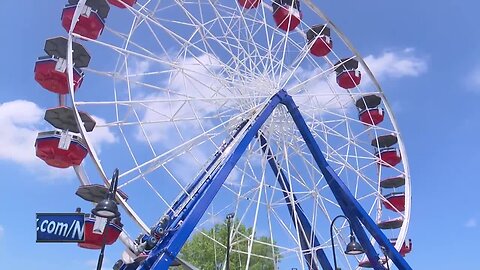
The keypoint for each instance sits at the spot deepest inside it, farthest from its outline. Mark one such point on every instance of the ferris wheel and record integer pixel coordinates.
(261, 111)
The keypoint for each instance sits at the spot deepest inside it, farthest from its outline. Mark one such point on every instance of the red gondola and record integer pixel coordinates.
(287, 14)
(248, 4)
(93, 240)
(406, 247)
(349, 79)
(47, 149)
(51, 70)
(367, 264)
(322, 42)
(395, 201)
(370, 113)
(348, 75)
(122, 5)
(51, 74)
(388, 156)
(372, 116)
(92, 18)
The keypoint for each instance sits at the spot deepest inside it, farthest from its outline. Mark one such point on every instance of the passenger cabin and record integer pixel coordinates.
(287, 14)
(372, 117)
(51, 74)
(404, 250)
(92, 18)
(348, 75)
(395, 201)
(406, 246)
(51, 70)
(366, 263)
(387, 154)
(369, 112)
(318, 37)
(248, 4)
(60, 149)
(95, 239)
(125, 3)
(388, 157)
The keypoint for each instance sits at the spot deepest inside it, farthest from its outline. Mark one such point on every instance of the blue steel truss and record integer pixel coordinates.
(308, 239)
(179, 222)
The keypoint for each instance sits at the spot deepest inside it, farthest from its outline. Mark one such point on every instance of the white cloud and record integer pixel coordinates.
(204, 77)
(396, 64)
(471, 223)
(385, 66)
(137, 71)
(197, 76)
(141, 67)
(194, 77)
(2, 231)
(473, 80)
(101, 136)
(21, 121)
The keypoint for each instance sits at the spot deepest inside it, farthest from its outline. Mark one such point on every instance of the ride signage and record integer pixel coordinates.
(60, 227)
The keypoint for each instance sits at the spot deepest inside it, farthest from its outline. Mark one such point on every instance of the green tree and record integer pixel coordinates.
(207, 249)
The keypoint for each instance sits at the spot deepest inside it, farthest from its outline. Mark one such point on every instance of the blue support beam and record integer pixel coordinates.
(165, 251)
(367, 246)
(300, 220)
(191, 187)
(342, 193)
(180, 229)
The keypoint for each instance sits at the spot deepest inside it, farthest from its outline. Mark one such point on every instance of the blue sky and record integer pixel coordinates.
(435, 102)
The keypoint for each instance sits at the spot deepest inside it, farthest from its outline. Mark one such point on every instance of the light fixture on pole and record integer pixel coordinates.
(353, 247)
(229, 218)
(107, 208)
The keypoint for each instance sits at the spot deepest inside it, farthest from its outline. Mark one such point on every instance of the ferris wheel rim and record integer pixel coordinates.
(408, 197)
(401, 145)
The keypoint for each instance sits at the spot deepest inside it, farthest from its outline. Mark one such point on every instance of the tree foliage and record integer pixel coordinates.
(207, 249)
